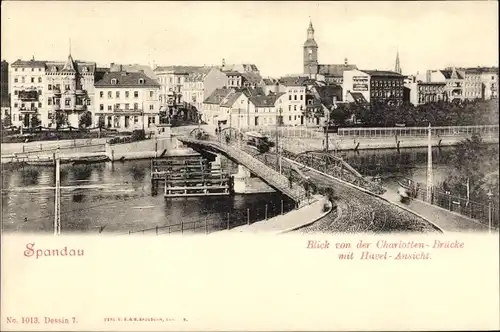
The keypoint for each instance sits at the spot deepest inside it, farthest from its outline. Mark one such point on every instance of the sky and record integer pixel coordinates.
(428, 35)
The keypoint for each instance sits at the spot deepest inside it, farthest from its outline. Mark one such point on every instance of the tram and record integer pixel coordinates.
(258, 141)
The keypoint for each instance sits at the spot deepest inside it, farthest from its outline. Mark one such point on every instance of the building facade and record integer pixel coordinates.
(426, 92)
(27, 93)
(5, 93)
(127, 101)
(373, 86)
(453, 79)
(69, 91)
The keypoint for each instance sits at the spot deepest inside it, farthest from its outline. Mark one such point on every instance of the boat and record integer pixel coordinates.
(90, 160)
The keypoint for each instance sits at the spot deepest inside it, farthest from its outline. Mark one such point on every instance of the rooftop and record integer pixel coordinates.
(382, 73)
(126, 79)
(335, 70)
(217, 96)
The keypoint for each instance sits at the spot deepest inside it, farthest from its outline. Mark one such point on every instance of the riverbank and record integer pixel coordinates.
(346, 143)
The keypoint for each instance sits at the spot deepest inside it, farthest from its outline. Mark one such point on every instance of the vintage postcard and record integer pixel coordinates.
(249, 166)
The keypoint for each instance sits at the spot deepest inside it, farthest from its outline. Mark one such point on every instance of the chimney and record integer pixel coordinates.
(345, 61)
(223, 62)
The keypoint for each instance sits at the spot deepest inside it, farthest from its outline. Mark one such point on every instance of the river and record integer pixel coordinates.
(116, 197)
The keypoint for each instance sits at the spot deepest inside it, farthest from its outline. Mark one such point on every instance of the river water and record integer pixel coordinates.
(117, 197)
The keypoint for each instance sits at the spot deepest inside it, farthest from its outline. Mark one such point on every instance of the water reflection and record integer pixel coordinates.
(117, 197)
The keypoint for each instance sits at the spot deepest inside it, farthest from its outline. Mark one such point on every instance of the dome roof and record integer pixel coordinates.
(310, 43)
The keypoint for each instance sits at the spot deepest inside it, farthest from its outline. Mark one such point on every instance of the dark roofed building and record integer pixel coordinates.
(217, 96)
(29, 63)
(126, 79)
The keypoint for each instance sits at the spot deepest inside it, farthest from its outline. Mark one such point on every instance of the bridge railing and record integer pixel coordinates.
(209, 223)
(474, 210)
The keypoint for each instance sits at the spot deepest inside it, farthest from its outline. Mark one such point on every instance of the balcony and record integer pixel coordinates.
(28, 109)
(80, 107)
(135, 111)
(56, 91)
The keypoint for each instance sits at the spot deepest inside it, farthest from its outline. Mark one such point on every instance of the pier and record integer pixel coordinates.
(188, 176)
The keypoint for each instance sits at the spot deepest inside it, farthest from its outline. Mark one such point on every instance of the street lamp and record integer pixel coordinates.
(489, 210)
(278, 157)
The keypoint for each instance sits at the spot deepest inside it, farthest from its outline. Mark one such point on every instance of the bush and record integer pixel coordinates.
(138, 135)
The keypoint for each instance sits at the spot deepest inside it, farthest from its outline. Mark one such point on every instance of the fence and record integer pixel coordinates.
(209, 223)
(420, 131)
(478, 211)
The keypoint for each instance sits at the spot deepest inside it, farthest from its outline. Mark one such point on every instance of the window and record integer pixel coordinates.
(141, 81)
(151, 94)
(114, 81)
(294, 97)
(290, 118)
(127, 94)
(15, 104)
(40, 105)
(289, 107)
(127, 106)
(39, 92)
(67, 101)
(32, 69)
(109, 108)
(101, 107)
(66, 87)
(101, 94)
(151, 107)
(15, 92)
(294, 107)
(136, 94)
(15, 80)
(117, 94)
(136, 119)
(136, 106)
(301, 97)
(110, 95)
(49, 86)
(117, 106)
(23, 80)
(15, 69)
(88, 102)
(289, 97)
(39, 80)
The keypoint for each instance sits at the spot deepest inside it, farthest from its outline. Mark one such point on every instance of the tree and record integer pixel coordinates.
(35, 121)
(85, 120)
(473, 171)
(61, 119)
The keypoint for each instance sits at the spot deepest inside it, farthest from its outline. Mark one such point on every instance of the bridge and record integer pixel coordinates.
(358, 210)
(360, 206)
(273, 178)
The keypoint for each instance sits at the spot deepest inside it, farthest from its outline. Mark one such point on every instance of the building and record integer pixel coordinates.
(127, 101)
(454, 80)
(44, 91)
(27, 96)
(332, 73)
(241, 68)
(211, 113)
(199, 84)
(425, 92)
(5, 95)
(479, 82)
(129, 68)
(69, 91)
(373, 86)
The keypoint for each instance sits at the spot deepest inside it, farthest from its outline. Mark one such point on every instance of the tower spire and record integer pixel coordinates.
(70, 46)
(397, 67)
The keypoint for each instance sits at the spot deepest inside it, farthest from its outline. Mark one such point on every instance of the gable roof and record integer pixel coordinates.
(335, 70)
(382, 73)
(448, 74)
(125, 79)
(327, 92)
(252, 77)
(217, 96)
(265, 101)
(229, 100)
(29, 63)
(293, 80)
(131, 68)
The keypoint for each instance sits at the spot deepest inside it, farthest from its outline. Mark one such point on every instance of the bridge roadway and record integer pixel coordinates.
(267, 174)
(357, 211)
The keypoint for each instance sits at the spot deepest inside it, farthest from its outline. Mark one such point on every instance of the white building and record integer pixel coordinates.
(127, 101)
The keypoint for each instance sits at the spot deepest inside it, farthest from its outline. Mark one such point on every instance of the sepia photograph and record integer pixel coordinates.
(135, 119)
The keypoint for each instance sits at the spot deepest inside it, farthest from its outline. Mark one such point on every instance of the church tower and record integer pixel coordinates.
(397, 67)
(310, 53)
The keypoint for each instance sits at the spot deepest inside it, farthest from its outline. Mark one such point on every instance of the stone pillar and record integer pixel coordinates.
(217, 163)
(240, 180)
